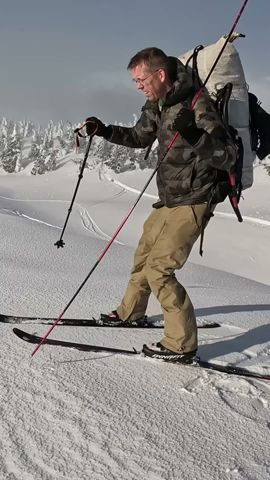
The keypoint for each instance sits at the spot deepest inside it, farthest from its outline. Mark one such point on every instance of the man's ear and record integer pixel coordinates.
(162, 75)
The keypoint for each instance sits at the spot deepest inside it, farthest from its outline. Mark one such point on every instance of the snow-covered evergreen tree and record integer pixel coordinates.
(35, 145)
(39, 166)
(70, 138)
(11, 155)
(51, 160)
(4, 127)
(11, 147)
(28, 129)
(35, 154)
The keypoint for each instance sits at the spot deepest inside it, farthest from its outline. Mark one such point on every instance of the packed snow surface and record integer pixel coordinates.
(72, 415)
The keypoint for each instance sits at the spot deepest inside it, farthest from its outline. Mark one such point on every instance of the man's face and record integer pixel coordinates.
(151, 82)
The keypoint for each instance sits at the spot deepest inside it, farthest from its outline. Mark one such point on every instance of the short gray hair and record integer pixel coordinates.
(153, 57)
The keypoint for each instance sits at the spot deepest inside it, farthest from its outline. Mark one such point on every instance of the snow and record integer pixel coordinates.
(78, 416)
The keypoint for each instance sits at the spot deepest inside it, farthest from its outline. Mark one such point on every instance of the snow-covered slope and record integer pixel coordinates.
(75, 416)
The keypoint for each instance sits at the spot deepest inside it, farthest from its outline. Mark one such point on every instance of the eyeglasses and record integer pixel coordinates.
(141, 81)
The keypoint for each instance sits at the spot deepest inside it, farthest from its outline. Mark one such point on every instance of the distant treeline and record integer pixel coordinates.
(22, 144)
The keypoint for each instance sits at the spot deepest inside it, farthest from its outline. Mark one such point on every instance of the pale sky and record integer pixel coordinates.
(66, 59)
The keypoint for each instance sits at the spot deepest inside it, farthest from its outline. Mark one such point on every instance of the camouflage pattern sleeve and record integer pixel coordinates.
(142, 134)
(214, 146)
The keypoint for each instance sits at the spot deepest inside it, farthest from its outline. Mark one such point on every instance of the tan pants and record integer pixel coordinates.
(167, 239)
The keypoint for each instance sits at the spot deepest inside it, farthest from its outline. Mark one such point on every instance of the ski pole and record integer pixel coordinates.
(170, 145)
(60, 242)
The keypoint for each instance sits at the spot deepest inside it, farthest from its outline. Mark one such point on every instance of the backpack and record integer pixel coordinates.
(246, 122)
(232, 101)
(232, 104)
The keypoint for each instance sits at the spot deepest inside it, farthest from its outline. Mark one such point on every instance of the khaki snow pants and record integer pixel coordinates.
(166, 242)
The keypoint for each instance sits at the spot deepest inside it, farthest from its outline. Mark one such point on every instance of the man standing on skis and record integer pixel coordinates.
(186, 180)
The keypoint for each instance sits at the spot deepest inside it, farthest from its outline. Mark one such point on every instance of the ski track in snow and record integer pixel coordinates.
(90, 225)
(20, 214)
(87, 221)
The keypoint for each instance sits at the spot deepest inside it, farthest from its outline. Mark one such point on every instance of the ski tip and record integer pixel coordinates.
(23, 335)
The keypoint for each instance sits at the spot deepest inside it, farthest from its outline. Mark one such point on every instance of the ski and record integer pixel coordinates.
(92, 322)
(228, 369)
(84, 347)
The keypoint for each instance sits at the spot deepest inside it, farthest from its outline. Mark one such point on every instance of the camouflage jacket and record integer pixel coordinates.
(187, 173)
